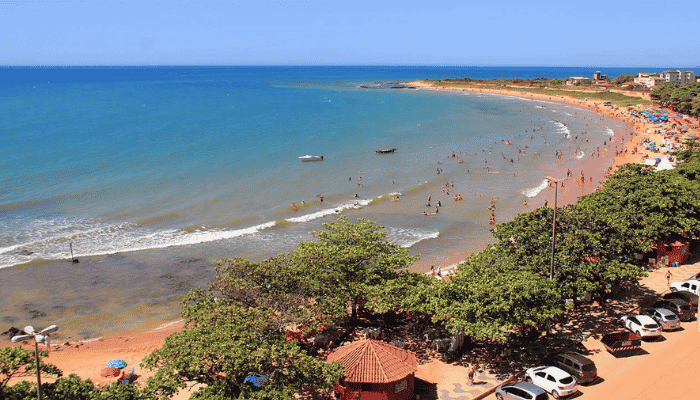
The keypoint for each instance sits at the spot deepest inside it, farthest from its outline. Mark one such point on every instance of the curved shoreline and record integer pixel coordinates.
(642, 129)
(86, 359)
(564, 196)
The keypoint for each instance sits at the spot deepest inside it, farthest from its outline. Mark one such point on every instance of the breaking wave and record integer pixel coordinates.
(532, 192)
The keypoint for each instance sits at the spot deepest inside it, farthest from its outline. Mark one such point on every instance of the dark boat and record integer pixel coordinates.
(387, 151)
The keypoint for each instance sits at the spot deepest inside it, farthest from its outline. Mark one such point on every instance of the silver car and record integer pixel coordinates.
(665, 318)
(521, 391)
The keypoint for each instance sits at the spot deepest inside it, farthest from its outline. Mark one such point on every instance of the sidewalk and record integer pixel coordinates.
(451, 381)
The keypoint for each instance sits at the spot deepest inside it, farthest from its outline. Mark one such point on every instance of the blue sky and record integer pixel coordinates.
(218, 32)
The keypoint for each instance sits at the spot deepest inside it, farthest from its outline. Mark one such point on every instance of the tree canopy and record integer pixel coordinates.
(353, 259)
(490, 294)
(591, 255)
(648, 205)
(683, 98)
(222, 344)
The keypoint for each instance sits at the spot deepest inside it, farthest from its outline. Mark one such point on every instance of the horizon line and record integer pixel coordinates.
(28, 66)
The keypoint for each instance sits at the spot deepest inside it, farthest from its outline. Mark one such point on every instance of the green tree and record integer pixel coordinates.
(619, 80)
(683, 98)
(647, 205)
(353, 259)
(292, 290)
(407, 292)
(222, 344)
(16, 362)
(491, 294)
(591, 256)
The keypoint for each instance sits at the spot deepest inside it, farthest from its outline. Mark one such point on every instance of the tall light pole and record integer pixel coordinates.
(554, 224)
(38, 337)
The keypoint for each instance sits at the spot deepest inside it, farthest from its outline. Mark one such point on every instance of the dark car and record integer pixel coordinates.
(676, 306)
(579, 366)
(691, 298)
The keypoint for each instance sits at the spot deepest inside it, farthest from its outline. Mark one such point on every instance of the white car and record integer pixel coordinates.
(642, 325)
(553, 380)
(688, 285)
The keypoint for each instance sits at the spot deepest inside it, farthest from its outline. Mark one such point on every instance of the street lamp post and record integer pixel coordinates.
(38, 337)
(554, 224)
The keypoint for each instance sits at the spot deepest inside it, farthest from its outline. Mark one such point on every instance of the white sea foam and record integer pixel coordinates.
(409, 237)
(609, 132)
(580, 154)
(532, 192)
(118, 238)
(561, 128)
(330, 211)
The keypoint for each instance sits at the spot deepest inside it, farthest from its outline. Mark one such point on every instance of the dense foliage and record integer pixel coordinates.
(353, 260)
(222, 344)
(490, 294)
(16, 362)
(591, 256)
(236, 326)
(649, 205)
(682, 98)
(619, 80)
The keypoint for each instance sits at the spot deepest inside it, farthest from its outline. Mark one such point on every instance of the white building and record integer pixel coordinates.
(649, 80)
(578, 80)
(679, 76)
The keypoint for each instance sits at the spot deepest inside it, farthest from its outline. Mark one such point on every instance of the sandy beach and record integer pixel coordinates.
(88, 358)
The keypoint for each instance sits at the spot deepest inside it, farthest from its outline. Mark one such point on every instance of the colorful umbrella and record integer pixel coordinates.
(117, 364)
(256, 379)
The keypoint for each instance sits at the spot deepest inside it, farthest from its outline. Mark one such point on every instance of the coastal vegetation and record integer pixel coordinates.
(277, 317)
(682, 98)
(546, 86)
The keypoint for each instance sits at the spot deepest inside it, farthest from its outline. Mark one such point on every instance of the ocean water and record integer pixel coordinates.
(150, 174)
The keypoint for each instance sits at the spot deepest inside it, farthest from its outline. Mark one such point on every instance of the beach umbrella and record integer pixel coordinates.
(117, 363)
(256, 379)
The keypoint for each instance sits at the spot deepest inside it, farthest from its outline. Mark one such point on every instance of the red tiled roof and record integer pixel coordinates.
(373, 361)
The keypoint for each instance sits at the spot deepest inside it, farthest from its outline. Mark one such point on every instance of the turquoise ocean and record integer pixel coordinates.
(153, 173)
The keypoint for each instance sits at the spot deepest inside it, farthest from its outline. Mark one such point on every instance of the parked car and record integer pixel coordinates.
(579, 366)
(691, 298)
(642, 325)
(665, 318)
(553, 380)
(521, 391)
(680, 307)
(688, 285)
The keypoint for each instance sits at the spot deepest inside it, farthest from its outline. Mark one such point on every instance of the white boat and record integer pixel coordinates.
(308, 158)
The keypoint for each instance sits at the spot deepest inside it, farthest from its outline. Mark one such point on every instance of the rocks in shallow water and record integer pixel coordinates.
(20, 252)
(36, 314)
(13, 332)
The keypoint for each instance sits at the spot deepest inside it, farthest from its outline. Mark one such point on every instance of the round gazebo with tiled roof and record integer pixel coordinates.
(374, 370)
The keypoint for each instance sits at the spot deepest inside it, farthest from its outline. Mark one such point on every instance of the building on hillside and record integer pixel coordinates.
(374, 370)
(598, 77)
(679, 76)
(649, 80)
(578, 80)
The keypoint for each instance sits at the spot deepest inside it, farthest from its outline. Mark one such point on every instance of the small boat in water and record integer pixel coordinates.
(386, 151)
(308, 158)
